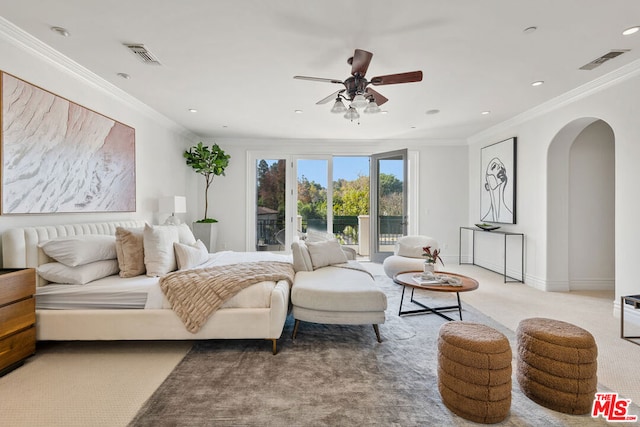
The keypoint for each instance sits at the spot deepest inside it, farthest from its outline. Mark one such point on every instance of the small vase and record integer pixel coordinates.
(429, 267)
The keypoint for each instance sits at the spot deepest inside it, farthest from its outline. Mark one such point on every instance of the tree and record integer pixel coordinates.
(208, 162)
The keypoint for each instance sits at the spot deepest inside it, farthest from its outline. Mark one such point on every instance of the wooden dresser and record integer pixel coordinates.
(17, 317)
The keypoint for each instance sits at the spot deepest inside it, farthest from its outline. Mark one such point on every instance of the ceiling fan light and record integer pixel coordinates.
(372, 108)
(352, 114)
(338, 107)
(359, 101)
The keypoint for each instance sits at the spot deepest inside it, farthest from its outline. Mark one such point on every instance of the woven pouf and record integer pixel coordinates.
(474, 371)
(557, 364)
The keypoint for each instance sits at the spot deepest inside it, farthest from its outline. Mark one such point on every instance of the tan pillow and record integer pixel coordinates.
(325, 253)
(188, 256)
(130, 251)
(159, 256)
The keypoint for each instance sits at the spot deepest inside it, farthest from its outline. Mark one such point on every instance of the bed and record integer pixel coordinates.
(137, 310)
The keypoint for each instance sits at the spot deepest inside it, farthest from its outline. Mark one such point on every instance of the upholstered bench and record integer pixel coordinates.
(557, 364)
(329, 289)
(474, 371)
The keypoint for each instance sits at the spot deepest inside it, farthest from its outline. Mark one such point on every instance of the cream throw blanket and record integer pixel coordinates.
(196, 294)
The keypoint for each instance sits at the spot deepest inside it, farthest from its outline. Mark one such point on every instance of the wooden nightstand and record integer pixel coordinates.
(17, 317)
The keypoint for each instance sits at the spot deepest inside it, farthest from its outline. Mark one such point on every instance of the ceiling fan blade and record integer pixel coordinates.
(331, 97)
(380, 99)
(318, 79)
(390, 79)
(360, 62)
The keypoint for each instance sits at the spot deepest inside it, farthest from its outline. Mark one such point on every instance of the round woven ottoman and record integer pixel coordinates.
(557, 364)
(474, 371)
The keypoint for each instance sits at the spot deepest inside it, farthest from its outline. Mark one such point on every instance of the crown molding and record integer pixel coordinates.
(613, 78)
(28, 43)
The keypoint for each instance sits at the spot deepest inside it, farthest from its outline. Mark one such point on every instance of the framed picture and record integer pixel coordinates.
(498, 182)
(60, 157)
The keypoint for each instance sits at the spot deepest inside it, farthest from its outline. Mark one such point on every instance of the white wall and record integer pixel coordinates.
(160, 168)
(591, 209)
(614, 102)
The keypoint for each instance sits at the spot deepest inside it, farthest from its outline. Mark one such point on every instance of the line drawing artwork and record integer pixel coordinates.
(498, 194)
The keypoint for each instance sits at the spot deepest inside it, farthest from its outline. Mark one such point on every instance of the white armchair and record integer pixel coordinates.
(407, 254)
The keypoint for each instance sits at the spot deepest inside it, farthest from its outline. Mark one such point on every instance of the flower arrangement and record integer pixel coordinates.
(432, 256)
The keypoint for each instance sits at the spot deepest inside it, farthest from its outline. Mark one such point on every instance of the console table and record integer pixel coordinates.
(505, 234)
(634, 301)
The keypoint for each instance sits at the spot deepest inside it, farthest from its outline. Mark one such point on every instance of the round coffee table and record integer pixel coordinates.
(406, 279)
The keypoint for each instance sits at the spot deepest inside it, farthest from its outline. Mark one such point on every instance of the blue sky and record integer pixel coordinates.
(348, 168)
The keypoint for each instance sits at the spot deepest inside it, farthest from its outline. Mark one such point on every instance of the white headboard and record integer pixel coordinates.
(20, 245)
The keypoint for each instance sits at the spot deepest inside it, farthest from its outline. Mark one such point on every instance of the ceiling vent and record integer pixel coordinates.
(143, 54)
(604, 58)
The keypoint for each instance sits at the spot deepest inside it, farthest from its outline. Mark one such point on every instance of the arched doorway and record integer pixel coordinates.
(581, 207)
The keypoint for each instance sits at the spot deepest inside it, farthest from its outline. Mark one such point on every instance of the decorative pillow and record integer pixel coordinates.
(130, 251)
(319, 236)
(411, 246)
(188, 256)
(56, 272)
(325, 253)
(159, 256)
(80, 250)
(301, 257)
(185, 235)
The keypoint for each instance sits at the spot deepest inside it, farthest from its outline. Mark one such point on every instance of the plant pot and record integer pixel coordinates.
(429, 267)
(207, 232)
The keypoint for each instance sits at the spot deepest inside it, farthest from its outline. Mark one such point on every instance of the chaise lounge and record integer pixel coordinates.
(330, 289)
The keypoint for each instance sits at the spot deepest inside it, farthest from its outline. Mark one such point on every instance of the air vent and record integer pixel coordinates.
(143, 54)
(604, 58)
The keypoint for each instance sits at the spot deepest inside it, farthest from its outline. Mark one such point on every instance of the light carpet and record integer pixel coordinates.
(331, 375)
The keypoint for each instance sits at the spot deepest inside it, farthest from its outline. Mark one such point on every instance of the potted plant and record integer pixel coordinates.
(208, 162)
(430, 258)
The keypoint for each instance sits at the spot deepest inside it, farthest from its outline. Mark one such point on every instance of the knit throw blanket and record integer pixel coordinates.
(196, 294)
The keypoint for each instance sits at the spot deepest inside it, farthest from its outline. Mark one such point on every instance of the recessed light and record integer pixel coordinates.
(630, 31)
(529, 30)
(193, 110)
(434, 111)
(538, 83)
(484, 113)
(124, 76)
(61, 31)
(383, 112)
(413, 127)
(298, 111)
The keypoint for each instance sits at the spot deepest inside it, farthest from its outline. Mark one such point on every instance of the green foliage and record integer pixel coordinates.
(207, 221)
(208, 162)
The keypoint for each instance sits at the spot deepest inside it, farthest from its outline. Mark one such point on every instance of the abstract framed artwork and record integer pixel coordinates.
(60, 157)
(498, 182)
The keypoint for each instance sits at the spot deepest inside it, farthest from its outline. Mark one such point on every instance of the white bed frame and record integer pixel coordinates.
(20, 250)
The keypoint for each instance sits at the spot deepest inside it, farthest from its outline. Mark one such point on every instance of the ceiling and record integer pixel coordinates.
(234, 61)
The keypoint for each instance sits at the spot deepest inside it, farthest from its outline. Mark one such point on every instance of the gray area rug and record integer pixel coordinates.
(331, 375)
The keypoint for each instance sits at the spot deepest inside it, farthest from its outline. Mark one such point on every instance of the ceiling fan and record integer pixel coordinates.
(356, 88)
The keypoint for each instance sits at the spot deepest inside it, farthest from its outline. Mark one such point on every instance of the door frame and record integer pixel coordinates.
(410, 179)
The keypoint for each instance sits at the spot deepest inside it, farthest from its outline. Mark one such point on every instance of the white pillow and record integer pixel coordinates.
(325, 253)
(56, 272)
(185, 234)
(319, 236)
(159, 256)
(188, 256)
(79, 250)
(301, 258)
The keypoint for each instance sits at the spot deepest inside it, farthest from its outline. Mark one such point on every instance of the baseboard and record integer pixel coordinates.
(592, 284)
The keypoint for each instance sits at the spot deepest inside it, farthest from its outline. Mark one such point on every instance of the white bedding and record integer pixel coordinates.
(139, 292)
